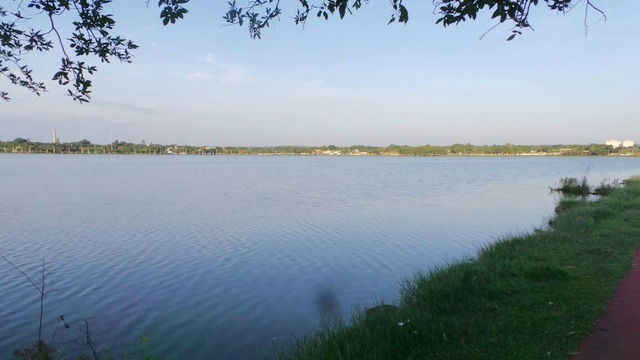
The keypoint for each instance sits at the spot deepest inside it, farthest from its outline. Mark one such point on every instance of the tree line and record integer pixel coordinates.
(84, 146)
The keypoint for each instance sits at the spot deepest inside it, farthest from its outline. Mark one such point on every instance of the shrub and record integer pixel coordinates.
(571, 186)
(606, 187)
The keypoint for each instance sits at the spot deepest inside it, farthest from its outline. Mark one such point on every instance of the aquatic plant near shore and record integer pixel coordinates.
(571, 186)
(40, 350)
(606, 187)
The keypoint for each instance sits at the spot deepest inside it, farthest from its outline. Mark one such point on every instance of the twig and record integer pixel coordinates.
(21, 272)
(88, 340)
(60, 319)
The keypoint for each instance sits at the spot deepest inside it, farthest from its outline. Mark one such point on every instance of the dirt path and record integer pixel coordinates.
(617, 332)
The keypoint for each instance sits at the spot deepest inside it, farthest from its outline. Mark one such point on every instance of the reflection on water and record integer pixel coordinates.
(328, 304)
(230, 253)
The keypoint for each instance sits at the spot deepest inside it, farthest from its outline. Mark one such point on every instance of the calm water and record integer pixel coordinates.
(226, 257)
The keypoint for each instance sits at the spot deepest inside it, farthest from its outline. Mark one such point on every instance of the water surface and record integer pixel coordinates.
(226, 257)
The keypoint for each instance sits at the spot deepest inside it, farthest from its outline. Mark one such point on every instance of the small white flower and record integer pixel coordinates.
(401, 323)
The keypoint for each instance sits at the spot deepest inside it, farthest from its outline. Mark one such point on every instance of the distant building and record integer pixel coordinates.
(627, 143)
(614, 143)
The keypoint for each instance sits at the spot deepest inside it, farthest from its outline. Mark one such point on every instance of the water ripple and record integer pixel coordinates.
(234, 254)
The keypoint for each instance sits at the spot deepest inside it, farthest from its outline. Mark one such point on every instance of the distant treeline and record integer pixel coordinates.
(25, 146)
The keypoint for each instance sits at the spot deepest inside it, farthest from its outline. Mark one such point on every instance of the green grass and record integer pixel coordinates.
(534, 296)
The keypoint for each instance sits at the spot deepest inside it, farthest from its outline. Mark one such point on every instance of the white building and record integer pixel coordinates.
(614, 143)
(627, 143)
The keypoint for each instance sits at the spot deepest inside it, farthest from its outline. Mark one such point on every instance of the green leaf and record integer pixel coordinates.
(404, 14)
(342, 9)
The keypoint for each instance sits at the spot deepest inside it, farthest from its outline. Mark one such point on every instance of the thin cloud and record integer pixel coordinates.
(116, 105)
(235, 75)
(212, 59)
(199, 76)
(221, 71)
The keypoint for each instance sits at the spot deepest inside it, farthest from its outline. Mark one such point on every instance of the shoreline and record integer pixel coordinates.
(534, 296)
(324, 155)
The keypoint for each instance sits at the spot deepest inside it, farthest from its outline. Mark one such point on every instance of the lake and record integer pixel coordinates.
(225, 257)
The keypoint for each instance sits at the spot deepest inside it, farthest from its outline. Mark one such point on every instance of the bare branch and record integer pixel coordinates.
(586, 15)
(40, 288)
(22, 272)
(87, 337)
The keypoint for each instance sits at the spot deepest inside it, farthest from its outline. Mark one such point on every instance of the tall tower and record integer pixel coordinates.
(55, 137)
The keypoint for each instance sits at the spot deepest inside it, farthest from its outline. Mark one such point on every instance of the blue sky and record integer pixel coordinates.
(355, 81)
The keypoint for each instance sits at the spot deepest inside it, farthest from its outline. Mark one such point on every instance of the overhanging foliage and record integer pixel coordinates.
(92, 37)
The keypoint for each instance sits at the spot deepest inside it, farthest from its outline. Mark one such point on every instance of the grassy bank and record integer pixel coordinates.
(530, 297)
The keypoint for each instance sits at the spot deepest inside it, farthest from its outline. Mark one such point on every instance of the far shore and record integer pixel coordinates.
(25, 146)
